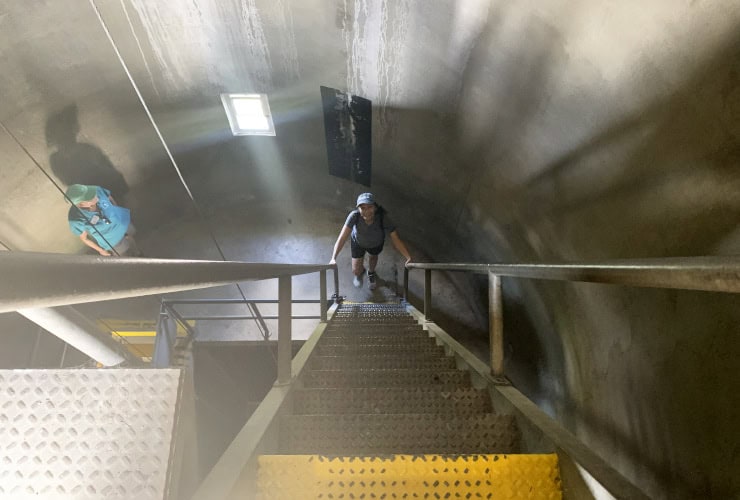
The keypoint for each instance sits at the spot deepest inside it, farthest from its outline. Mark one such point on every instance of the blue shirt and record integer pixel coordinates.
(106, 224)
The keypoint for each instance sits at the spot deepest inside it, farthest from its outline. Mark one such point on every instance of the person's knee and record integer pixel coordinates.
(357, 266)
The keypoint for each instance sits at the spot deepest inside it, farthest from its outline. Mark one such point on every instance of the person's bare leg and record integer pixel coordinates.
(372, 261)
(358, 269)
(358, 266)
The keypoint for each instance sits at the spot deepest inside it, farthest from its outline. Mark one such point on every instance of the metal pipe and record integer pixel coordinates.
(76, 330)
(322, 295)
(285, 349)
(237, 317)
(235, 301)
(179, 319)
(428, 295)
(713, 274)
(34, 350)
(64, 355)
(33, 280)
(495, 325)
(258, 319)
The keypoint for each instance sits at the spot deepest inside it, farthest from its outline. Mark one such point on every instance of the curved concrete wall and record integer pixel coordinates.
(526, 131)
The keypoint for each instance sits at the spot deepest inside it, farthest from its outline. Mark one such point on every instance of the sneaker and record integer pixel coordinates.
(357, 280)
(371, 281)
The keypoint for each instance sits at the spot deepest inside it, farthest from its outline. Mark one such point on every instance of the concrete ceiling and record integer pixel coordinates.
(515, 131)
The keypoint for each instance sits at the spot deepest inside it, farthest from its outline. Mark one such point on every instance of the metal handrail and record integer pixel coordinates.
(32, 280)
(713, 274)
(216, 317)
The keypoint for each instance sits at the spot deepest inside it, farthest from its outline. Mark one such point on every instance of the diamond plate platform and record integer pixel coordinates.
(87, 434)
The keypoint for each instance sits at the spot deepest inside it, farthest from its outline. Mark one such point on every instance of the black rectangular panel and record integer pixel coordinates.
(348, 129)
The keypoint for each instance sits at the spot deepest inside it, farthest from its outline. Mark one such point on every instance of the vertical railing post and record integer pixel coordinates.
(495, 324)
(285, 314)
(336, 284)
(322, 294)
(406, 283)
(428, 294)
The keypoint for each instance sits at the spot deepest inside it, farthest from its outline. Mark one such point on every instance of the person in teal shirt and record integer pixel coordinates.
(99, 221)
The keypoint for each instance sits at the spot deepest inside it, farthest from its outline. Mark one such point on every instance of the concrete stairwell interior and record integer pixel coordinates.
(381, 411)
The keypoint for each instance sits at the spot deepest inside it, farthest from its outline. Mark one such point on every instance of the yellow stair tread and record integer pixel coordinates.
(500, 477)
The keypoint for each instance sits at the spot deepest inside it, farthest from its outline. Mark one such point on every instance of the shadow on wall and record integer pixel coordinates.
(693, 451)
(79, 162)
(676, 193)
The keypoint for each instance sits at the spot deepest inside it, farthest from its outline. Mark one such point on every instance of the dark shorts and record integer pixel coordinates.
(358, 252)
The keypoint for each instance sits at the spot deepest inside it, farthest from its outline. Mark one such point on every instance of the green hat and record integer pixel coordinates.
(78, 193)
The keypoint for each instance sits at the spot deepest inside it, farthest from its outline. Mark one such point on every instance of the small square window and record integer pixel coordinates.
(248, 114)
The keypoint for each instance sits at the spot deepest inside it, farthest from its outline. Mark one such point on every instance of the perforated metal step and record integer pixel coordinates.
(448, 379)
(375, 349)
(367, 324)
(459, 401)
(499, 477)
(378, 386)
(398, 433)
(387, 333)
(381, 362)
(398, 340)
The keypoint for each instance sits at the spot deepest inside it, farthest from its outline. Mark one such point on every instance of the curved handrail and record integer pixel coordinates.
(713, 274)
(32, 279)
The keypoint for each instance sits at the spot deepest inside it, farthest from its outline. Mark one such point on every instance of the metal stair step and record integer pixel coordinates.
(372, 349)
(391, 400)
(400, 341)
(359, 434)
(381, 362)
(390, 306)
(388, 334)
(444, 379)
(372, 318)
(509, 476)
(378, 312)
(365, 326)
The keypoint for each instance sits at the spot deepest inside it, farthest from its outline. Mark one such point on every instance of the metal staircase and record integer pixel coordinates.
(384, 413)
(369, 398)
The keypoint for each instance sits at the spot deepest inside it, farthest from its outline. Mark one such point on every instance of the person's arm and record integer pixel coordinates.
(400, 246)
(341, 240)
(94, 245)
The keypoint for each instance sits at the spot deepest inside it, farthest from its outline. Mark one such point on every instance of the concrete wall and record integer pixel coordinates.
(513, 131)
